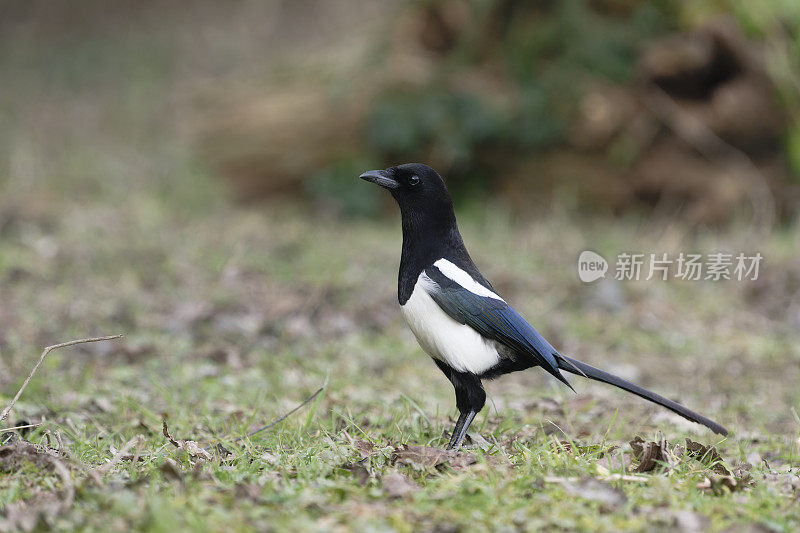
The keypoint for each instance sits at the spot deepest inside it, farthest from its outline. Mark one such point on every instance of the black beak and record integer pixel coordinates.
(380, 177)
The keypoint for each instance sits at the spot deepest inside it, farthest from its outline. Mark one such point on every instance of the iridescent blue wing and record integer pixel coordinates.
(493, 318)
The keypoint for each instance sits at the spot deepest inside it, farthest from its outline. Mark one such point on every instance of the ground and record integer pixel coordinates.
(233, 316)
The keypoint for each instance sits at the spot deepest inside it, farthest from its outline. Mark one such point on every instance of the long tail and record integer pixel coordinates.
(576, 367)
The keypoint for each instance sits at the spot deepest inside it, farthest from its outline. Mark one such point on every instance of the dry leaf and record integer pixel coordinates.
(424, 457)
(364, 448)
(563, 446)
(650, 454)
(707, 455)
(194, 449)
(718, 484)
(359, 472)
(189, 446)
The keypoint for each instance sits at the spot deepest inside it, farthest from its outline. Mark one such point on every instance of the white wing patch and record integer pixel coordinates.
(443, 338)
(465, 280)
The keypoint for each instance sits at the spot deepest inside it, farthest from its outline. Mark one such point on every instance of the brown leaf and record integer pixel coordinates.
(424, 457)
(364, 448)
(718, 484)
(397, 485)
(707, 455)
(359, 472)
(189, 446)
(650, 454)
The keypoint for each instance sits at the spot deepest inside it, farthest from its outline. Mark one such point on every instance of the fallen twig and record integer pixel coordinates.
(26, 426)
(274, 422)
(41, 359)
(189, 446)
(285, 416)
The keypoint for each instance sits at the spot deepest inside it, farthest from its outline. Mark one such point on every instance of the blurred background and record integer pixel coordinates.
(685, 109)
(186, 174)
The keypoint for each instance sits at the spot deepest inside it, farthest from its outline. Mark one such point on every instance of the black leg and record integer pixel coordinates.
(470, 399)
(460, 431)
(462, 418)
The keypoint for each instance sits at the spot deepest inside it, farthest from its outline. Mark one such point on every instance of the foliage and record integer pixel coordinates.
(537, 60)
(332, 187)
(548, 52)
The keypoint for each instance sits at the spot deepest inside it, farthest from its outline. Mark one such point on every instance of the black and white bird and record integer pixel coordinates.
(471, 332)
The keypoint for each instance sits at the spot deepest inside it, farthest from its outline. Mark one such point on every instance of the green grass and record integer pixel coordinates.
(232, 317)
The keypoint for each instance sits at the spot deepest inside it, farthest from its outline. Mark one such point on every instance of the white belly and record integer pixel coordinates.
(441, 337)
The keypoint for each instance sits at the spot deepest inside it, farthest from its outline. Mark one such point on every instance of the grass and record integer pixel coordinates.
(233, 316)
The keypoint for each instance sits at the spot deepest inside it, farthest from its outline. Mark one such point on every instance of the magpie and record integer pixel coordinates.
(457, 317)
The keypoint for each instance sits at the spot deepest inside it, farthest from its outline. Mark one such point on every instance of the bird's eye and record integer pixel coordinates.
(413, 180)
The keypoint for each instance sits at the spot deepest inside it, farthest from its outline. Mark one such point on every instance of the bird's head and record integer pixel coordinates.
(417, 188)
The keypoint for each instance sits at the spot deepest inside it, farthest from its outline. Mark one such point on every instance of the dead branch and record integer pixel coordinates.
(41, 359)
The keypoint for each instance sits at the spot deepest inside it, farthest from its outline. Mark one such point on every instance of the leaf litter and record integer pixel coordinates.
(44, 506)
(191, 447)
(427, 458)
